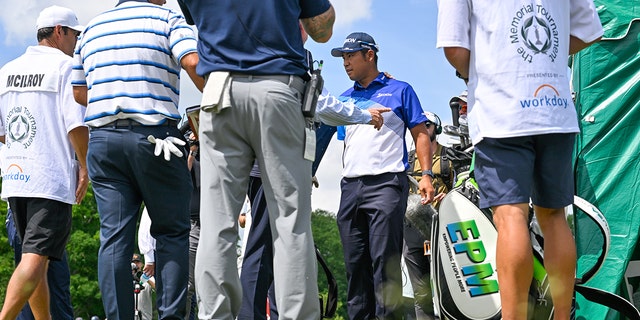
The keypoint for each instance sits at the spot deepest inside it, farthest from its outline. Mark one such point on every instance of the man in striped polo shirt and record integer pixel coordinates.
(126, 71)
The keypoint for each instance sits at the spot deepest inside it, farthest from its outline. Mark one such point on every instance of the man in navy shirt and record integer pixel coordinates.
(251, 54)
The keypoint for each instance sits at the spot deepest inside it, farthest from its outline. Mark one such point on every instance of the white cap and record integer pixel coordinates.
(462, 96)
(56, 15)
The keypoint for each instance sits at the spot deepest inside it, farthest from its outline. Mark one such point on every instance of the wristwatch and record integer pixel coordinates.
(428, 173)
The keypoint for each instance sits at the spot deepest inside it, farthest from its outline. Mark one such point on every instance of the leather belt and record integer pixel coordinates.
(128, 123)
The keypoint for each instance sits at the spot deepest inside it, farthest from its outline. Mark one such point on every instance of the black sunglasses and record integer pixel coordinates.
(75, 32)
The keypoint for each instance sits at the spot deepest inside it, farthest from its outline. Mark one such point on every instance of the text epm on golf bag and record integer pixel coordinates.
(466, 241)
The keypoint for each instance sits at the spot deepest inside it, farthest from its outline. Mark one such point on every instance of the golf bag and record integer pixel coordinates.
(463, 262)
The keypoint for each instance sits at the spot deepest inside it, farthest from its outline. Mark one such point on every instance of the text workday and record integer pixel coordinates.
(545, 96)
(16, 176)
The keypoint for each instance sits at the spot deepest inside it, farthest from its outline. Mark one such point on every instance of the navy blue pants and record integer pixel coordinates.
(58, 278)
(124, 173)
(370, 221)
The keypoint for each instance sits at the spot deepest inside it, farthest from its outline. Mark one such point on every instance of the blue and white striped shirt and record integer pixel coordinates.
(129, 59)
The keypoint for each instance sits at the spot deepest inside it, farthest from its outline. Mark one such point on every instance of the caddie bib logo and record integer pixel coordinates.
(21, 127)
(534, 31)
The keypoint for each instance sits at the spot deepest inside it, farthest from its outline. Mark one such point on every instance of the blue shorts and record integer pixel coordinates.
(513, 170)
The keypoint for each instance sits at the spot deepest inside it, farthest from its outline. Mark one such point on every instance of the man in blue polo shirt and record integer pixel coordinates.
(252, 56)
(374, 185)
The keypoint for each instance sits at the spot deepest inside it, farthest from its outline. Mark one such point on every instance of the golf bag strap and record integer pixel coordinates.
(592, 212)
(610, 300)
(445, 167)
(332, 292)
(599, 296)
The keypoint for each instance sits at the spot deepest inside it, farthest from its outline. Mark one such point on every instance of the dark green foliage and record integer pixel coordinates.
(6, 254)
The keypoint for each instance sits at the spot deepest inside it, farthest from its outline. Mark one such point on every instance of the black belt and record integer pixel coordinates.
(128, 123)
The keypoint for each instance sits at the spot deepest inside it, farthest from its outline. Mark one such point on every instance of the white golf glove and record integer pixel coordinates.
(168, 146)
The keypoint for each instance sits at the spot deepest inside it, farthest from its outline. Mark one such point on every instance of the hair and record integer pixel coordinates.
(375, 55)
(45, 33)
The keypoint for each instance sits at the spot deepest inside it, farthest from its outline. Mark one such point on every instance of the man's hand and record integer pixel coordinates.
(79, 138)
(242, 220)
(168, 146)
(150, 269)
(376, 117)
(427, 191)
(83, 184)
(439, 197)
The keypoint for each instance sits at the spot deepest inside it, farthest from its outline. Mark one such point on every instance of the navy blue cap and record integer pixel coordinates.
(355, 42)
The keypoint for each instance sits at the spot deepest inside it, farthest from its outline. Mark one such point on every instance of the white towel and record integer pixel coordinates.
(216, 93)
